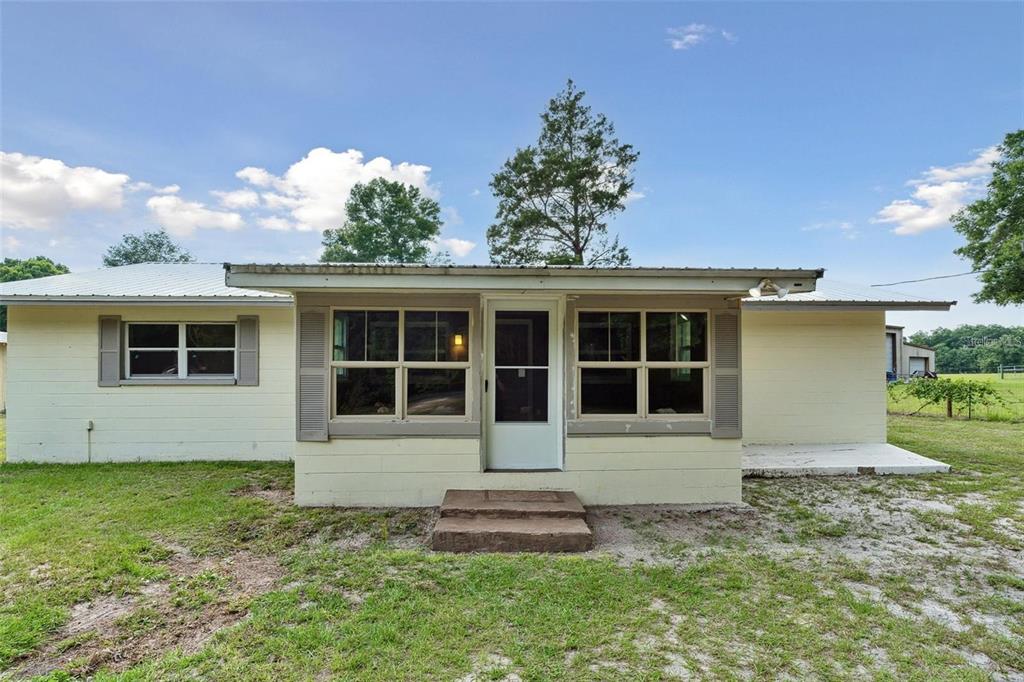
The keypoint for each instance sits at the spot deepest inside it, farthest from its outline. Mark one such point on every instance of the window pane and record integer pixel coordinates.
(608, 391)
(609, 336)
(152, 336)
(365, 390)
(349, 335)
(437, 391)
(675, 391)
(593, 336)
(521, 395)
(209, 336)
(453, 336)
(382, 328)
(677, 337)
(521, 338)
(420, 336)
(211, 362)
(153, 363)
(625, 336)
(366, 335)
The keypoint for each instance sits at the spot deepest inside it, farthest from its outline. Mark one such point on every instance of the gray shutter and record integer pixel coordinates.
(110, 351)
(314, 379)
(248, 349)
(726, 375)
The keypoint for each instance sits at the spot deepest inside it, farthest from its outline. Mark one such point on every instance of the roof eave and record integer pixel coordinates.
(145, 300)
(850, 305)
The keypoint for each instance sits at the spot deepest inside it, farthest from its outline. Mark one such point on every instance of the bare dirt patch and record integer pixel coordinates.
(202, 596)
(887, 529)
(273, 495)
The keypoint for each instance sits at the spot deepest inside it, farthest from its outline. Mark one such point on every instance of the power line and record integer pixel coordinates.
(927, 279)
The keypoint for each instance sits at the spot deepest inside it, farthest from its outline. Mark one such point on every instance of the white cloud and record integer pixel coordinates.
(149, 187)
(691, 35)
(312, 192)
(275, 223)
(11, 244)
(182, 218)
(938, 194)
(255, 176)
(460, 248)
(240, 198)
(451, 216)
(844, 227)
(633, 195)
(475, 193)
(35, 192)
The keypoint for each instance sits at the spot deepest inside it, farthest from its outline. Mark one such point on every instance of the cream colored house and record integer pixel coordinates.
(3, 371)
(388, 385)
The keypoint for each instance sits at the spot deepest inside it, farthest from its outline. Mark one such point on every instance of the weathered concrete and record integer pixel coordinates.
(509, 504)
(539, 534)
(844, 459)
(512, 521)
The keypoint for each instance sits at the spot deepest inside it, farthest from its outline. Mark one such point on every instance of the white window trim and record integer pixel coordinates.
(401, 412)
(642, 365)
(182, 351)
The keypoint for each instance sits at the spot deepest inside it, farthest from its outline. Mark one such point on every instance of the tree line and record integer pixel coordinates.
(973, 348)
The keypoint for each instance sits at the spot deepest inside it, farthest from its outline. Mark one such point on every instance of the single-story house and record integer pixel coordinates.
(389, 384)
(904, 358)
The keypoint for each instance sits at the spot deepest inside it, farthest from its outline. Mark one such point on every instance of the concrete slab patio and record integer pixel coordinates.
(836, 459)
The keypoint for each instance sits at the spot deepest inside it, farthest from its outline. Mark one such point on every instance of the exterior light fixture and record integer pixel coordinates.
(458, 340)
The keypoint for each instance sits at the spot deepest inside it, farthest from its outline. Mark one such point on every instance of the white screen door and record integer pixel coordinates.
(523, 404)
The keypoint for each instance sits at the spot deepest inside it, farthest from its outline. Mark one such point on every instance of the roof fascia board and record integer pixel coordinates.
(143, 300)
(697, 281)
(809, 306)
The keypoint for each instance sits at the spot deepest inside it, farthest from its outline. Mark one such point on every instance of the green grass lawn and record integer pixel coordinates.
(158, 571)
(1010, 389)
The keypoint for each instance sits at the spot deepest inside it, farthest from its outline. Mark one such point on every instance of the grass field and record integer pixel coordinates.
(1010, 388)
(186, 571)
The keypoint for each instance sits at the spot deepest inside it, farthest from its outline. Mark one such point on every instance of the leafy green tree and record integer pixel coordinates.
(960, 393)
(994, 228)
(14, 270)
(974, 347)
(555, 198)
(148, 247)
(386, 222)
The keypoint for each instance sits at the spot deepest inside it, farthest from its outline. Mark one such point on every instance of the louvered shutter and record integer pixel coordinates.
(110, 351)
(314, 378)
(248, 349)
(726, 372)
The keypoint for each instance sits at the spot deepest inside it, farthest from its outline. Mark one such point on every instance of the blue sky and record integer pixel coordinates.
(769, 134)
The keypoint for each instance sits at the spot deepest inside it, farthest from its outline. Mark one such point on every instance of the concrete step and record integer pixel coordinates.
(512, 504)
(536, 534)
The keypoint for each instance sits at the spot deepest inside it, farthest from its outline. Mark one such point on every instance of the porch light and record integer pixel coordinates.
(458, 340)
(767, 286)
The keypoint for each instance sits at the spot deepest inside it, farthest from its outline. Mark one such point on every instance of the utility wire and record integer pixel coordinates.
(927, 279)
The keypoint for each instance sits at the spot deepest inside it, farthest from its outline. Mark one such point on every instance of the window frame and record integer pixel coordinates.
(182, 350)
(401, 367)
(642, 365)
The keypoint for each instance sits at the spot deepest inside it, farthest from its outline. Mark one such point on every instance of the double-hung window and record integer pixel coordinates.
(400, 364)
(180, 350)
(642, 364)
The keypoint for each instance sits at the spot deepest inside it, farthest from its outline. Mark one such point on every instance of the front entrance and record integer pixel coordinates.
(521, 385)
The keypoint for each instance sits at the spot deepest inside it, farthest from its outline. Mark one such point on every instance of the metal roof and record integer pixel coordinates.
(834, 294)
(510, 270)
(146, 282)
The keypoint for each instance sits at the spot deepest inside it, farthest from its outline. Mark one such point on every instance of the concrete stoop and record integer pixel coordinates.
(512, 521)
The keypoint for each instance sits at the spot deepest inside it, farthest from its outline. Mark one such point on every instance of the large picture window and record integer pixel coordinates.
(400, 364)
(180, 350)
(642, 364)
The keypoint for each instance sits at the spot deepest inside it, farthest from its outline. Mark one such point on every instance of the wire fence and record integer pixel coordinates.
(1009, 387)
